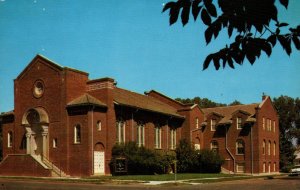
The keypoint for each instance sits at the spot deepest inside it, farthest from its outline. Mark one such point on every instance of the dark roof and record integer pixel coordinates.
(7, 113)
(228, 111)
(86, 100)
(132, 99)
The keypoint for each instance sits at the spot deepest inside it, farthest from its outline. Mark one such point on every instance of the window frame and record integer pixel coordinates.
(77, 134)
(173, 138)
(54, 143)
(239, 125)
(274, 148)
(238, 148)
(214, 146)
(120, 131)
(140, 139)
(269, 148)
(9, 139)
(157, 136)
(264, 123)
(213, 123)
(264, 147)
(99, 125)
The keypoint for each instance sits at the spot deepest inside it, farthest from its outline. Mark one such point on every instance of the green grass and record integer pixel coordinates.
(164, 177)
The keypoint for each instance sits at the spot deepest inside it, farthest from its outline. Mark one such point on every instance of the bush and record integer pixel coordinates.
(141, 160)
(190, 160)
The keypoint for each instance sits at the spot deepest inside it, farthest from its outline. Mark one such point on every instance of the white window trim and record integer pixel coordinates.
(75, 134)
(99, 125)
(173, 138)
(213, 122)
(264, 127)
(54, 143)
(157, 137)
(121, 131)
(236, 146)
(264, 147)
(274, 149)
(239, 127)
(9, 139)
(141, 134)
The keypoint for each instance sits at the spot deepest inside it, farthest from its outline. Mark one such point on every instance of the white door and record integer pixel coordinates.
(99, 162)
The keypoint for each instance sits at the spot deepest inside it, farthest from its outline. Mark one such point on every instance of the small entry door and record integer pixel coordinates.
(99, 162)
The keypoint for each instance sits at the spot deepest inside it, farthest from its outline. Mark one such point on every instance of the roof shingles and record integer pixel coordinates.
(132, 99)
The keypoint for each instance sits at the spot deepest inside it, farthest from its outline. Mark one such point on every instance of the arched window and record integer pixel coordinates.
(120, 127)
(214, 146)
(9, 139)
(197, 122)
(239, 123)
(263, 125)
(274, 148)
(240, 146)
(173, 138)
(99, 125)
(77, 134)
(269, 148)
(157, 139)
(213, 124)
(140, 134)
(264, 147)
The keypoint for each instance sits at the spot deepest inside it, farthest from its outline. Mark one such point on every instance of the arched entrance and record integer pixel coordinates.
(36, 123)
(99, 159)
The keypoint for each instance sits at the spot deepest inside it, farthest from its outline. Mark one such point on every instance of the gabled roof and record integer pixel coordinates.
(50, 63)
(86, 100)
(229, 111)
(148, 103)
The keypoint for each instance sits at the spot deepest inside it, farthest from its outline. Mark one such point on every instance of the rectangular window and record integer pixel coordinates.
(264, 123)
(240, 168)
(140, 134)
(55, 143)
(264, 147)
(214, 146)
(213, 125)
(274, 167)
(274, 126)
(269, 148)
(9, 139)
(157, 137)
(99, 126)
(274, 149)
(239, 123)
(264, 167)
(77, 134)
(120, 131)
(197, 123)
(173, 138)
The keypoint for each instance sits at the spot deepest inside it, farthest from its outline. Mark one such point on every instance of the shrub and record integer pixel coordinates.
(141, 160)
(190, 160)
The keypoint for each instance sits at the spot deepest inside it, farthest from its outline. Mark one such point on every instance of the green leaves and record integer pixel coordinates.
(285, 3)
(248, 20)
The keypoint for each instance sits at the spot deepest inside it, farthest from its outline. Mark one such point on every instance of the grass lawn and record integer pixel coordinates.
(165, 177)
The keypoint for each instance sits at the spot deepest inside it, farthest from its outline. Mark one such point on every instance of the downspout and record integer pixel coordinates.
(227, 149)
(93, 140)
(251, 139)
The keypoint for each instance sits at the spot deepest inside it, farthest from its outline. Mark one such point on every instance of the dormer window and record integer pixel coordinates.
(239, 123)
(213, 124)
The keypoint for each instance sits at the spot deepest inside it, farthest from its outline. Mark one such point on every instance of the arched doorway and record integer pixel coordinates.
(36, 123)
(99, 159)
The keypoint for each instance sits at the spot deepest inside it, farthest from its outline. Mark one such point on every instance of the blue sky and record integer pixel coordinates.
(132, 42)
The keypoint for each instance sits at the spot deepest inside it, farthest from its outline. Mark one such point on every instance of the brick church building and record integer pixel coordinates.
(64, 124)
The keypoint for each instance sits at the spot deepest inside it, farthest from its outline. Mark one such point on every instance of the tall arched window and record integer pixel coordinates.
(274, 148)
(269, 148)
(264, 147)
(9, 139)
(157, 139)
(240, 146)
(99, 125)
(77, 134)
(140, 134)
(214, 146)
(120, 131)
(172, 138)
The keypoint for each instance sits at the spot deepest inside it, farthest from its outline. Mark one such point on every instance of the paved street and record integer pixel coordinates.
(290, 183)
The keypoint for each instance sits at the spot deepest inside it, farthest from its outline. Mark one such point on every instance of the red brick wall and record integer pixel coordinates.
(22, 165)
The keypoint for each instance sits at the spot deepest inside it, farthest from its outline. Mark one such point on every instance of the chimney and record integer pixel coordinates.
(264, 96)
(101, 83)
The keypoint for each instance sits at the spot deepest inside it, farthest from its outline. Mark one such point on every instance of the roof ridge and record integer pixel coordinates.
(233, 106)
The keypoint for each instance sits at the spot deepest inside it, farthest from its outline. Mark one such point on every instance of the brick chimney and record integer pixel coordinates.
(101, 83)
(264, 96)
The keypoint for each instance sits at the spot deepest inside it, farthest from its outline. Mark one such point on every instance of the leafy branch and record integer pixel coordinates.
(239, 17)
